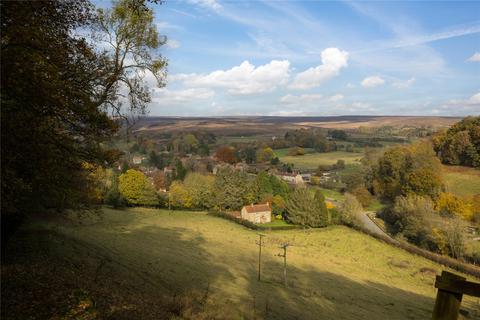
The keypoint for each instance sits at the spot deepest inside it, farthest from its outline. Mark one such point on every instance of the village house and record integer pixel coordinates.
(257, 213)
(293, 178)
(138, 159)
(307, 177)
(169, 171)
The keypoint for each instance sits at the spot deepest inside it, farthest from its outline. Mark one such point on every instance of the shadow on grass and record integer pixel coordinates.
(145, 272)
(312, 294)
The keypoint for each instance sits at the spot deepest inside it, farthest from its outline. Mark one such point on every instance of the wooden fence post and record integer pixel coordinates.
(447, 305)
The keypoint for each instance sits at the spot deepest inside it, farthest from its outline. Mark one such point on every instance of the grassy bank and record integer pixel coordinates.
(147, 261)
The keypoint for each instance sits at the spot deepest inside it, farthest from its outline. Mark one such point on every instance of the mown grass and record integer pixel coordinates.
(462, 181)
(333, 273)
(311, 161)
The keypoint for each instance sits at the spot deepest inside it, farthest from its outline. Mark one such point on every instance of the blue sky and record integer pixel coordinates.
(319, 58)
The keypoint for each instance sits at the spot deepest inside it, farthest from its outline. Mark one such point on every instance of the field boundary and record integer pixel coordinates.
(248, 224)
(443, 260)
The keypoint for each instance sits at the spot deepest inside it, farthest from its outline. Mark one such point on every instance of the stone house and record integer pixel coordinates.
(257, 213)
(293, 178)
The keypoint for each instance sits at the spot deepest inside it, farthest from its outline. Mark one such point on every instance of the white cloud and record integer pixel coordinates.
(207, 4)
(373, 81)
(173, 44)
(473, 101)
(243, 79)
(333, 60)
(475, 57)
(164, 25)
(404, 84)
(300, 99)
(288, 113)
(350, 86)
(336, 97)
(165, 96)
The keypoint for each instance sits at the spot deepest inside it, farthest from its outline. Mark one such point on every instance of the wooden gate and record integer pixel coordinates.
(451, 288)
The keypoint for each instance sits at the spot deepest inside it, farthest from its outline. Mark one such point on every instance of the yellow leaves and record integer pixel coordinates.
(329, 204)
(179, 195)
(449, 204)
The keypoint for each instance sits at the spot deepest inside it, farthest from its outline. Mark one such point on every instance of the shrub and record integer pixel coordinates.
(350, 211)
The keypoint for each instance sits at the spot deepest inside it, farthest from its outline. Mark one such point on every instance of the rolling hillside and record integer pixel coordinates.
(151, 264)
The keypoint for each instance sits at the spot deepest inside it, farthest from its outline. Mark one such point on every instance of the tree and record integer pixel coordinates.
(178, 196)
(160, 180)
(454, 238)
(155, 160)
(233, 189)
(278, 205)
(450, 205)
(460, 144)
(137, 189)
(350, 211)
(200, 190)
(362, 195)
(226, 154)
(339, 134)
(264, 154)
(131, 38)
(113, 197)
(180, 171)
(411, 216)
(306, 208)
(404, 170)
(65, 90)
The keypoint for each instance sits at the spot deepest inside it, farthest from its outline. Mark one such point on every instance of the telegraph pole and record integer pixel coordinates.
(260, 245)
(284, 256)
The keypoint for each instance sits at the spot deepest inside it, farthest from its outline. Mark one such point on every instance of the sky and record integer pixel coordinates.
(317, 58)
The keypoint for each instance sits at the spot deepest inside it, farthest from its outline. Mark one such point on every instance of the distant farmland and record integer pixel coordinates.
(246, 126)
(311, 161)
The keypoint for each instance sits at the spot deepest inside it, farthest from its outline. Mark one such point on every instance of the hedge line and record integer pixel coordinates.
(443, 260)
(435, 257)
(247, 223)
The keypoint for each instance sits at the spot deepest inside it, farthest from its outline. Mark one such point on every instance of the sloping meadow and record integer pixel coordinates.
(159, 264)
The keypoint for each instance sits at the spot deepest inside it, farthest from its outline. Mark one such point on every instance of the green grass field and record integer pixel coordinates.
(313, 160)
(140, 258)
(463, 181)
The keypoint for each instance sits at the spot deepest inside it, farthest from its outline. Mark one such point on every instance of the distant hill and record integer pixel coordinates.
(278, 125)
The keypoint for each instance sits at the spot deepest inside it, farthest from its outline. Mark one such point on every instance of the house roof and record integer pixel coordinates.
(288, 174)
(261, 207)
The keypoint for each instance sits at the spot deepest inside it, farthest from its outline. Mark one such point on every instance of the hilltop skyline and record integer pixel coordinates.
(319, 58)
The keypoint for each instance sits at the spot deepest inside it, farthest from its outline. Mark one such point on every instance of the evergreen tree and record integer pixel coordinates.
(307, 209)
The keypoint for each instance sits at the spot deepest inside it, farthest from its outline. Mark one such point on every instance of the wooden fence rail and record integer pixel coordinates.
(451, 288)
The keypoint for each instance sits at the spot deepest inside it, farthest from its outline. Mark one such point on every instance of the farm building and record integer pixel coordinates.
(257, 213)
(293, 178)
